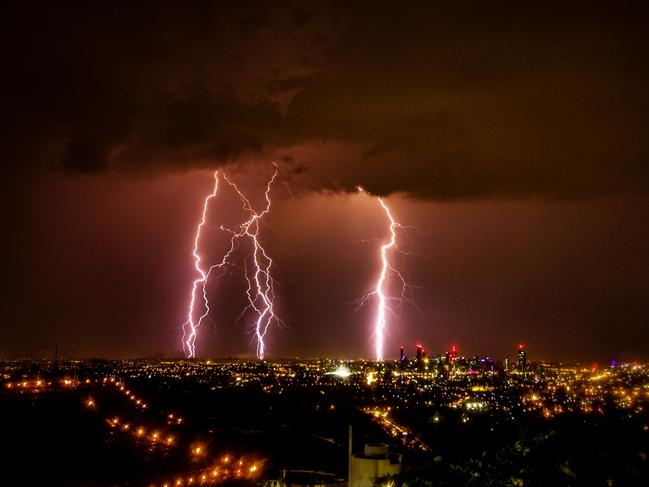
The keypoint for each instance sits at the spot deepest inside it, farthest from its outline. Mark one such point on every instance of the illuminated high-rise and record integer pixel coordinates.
(522, 358)
(453, 354)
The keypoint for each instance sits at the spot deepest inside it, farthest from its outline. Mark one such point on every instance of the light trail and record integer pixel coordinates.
(260, 287)
(382, 417)
(214, 470)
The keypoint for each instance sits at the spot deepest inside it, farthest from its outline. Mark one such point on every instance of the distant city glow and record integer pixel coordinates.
(456, 391)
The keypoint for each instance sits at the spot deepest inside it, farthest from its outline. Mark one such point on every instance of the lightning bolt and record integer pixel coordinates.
(260, 291)
(380, 291)
(189, 337)
(381, 305)
(260, 287)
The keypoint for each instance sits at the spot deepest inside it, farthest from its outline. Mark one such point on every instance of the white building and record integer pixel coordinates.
(373, 463)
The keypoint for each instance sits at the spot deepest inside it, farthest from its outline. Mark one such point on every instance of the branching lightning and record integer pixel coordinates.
(380, 291)
(380, 323)
(260, 283)
(189, 338)
(260, 291)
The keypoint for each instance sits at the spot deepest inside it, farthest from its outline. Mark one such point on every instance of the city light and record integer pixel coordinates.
(474, 387)
(342, 372)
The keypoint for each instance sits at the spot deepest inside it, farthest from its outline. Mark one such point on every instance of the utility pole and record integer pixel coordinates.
(349, 459)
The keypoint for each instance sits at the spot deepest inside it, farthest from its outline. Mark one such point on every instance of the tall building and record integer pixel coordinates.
(453, 354)
(522, 358)
(402, 355)
(419, 353)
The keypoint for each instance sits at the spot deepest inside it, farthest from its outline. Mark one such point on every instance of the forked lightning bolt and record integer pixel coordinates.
(381, 305)
(260, 289)
(189, 337)
(380, 292)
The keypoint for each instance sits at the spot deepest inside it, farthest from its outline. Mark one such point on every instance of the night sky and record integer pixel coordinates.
(514, 136)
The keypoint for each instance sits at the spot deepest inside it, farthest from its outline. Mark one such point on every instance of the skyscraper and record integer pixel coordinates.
(522, 358)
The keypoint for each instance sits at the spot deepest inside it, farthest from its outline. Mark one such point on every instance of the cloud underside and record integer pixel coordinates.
(457, 102)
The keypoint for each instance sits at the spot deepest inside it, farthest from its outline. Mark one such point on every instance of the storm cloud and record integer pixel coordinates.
(438, 101)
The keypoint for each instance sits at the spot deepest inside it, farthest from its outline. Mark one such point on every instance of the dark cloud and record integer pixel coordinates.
(437, 100)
